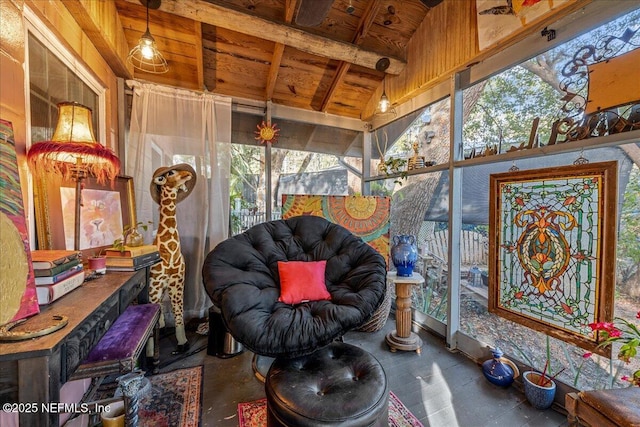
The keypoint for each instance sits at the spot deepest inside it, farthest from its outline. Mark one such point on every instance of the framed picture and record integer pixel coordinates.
(105, 211)
(552, 249)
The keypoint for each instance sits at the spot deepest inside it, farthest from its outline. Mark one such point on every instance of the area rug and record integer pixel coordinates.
(175, 399)
(254, 414)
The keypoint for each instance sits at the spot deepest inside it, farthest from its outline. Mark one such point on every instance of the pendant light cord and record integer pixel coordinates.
(147, 2)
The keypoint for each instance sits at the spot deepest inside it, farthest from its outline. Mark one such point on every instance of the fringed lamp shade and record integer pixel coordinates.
(73, 148)
(73, 153)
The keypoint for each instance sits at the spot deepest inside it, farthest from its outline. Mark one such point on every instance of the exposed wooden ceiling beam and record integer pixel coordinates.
(368, 17)
(341, 71)
(276, 59)
(219, 16)
(363, 27)
(199, 54)
(272, 77)
(100, 22)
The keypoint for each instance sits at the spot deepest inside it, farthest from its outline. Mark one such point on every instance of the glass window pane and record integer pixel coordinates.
(418, 140)
(52, 82)
(246, 185)
(38, 81)
(522, 106)
(304, 172)
(521, 342)
(432, 240)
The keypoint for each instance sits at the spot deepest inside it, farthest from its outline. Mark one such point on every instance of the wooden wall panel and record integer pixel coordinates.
(445, 42)
(101, 23)
(445, 39)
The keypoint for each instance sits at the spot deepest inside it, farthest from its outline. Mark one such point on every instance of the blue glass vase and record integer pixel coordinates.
(500, 370)
(404, 254)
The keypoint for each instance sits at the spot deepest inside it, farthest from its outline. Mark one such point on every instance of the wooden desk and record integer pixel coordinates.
(403, 338)
(32, 371)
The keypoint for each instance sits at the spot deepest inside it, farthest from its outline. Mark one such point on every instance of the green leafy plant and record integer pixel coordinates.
(393, 166)
(119, 243)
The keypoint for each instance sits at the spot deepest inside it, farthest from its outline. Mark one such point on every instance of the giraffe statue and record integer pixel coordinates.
(169, 186)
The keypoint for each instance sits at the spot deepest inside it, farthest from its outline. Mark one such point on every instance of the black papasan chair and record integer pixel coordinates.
(241, 277)
(314, 380)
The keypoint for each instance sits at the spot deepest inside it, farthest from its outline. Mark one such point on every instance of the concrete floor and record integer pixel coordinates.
(440, 387)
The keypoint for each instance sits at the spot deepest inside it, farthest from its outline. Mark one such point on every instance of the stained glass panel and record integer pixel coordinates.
(551, 235)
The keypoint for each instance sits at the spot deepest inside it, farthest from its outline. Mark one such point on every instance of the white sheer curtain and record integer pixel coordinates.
(171, 126)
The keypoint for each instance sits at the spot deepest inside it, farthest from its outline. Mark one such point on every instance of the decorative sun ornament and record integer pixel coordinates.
(267, 132)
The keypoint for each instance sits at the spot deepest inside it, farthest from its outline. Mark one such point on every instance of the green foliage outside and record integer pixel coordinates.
(629, 235)
(504, 114)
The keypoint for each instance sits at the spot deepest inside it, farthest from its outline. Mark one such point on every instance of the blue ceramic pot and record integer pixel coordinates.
(404, 254)
(540, 393)
(500, 370)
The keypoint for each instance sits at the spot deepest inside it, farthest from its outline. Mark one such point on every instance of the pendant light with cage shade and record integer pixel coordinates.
(145, 56)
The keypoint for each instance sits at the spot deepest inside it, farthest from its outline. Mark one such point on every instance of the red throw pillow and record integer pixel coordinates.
(302, 281)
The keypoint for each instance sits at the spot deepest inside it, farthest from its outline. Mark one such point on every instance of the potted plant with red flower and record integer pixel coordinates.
(625, 332)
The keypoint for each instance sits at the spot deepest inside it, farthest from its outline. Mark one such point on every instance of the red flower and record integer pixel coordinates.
(602, 326)
(627, 334)
(587, 355)
(606, 329)
(614, 333)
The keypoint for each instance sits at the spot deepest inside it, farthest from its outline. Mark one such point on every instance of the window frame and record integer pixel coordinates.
(35, 27)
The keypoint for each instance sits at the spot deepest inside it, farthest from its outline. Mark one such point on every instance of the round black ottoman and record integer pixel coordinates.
(338, 385)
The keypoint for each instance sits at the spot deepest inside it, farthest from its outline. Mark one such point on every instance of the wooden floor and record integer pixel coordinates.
(440, 387)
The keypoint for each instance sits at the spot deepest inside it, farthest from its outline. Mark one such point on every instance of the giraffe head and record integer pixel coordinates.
(177, 181)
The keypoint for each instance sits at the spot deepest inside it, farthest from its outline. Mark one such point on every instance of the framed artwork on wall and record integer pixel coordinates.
(552, 242)
(104, 213)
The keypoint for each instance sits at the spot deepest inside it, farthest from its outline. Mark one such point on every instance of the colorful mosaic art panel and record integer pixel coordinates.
(365, 216)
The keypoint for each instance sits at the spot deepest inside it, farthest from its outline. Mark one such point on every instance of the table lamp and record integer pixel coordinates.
(73, 153)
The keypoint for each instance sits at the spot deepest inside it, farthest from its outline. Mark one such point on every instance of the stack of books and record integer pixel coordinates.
(57, 272)
(132, 258)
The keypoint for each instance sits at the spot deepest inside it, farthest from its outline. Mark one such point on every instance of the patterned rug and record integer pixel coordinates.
(175, 399)
(254, 414)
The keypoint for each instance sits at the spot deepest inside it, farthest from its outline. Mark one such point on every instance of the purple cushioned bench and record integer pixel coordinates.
(119, 348)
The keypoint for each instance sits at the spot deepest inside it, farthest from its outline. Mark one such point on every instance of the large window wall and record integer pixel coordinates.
(291, 172)
(492, 129)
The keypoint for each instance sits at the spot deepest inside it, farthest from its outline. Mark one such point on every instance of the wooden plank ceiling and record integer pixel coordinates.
(253, 48)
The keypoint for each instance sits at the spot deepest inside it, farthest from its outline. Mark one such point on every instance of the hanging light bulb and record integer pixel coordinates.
(147, 45)
(145, 56)
(384, 103)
